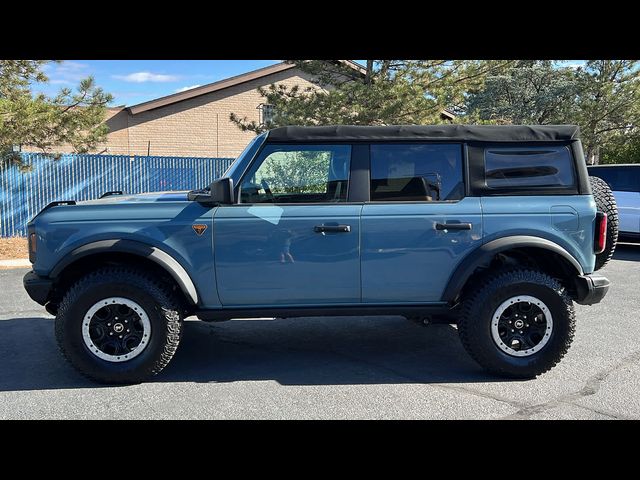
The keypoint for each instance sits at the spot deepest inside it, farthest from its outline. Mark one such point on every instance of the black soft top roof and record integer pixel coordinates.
(468, 133)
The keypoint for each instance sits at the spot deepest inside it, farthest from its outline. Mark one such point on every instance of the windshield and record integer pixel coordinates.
(245, 156)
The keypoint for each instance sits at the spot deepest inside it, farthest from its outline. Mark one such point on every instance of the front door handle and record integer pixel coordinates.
(453, 226)
(332, 228)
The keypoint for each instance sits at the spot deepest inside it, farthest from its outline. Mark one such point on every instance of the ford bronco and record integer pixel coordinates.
(492, 228)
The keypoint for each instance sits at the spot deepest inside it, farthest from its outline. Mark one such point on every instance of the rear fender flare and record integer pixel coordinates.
(484, 253)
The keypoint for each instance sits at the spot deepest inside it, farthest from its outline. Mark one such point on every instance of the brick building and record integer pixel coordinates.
(196, 122)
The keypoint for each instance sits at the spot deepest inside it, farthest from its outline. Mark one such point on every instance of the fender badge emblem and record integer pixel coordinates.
(199, 228)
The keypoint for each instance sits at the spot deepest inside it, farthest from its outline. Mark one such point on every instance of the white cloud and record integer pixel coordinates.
(60, 81)
(66, 73)
(184, 89)
(142, 77)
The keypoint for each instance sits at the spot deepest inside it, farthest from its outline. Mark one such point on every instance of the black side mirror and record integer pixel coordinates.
(222, 191)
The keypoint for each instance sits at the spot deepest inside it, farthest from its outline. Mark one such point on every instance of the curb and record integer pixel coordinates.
(15, 263)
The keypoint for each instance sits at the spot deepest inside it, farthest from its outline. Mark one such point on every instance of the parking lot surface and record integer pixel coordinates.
(331, 368)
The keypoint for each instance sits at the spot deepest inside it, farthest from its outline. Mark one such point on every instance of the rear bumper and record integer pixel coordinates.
(37, 287)
(591, 288)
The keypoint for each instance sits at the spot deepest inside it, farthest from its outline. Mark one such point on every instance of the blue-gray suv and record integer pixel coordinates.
(492, 228)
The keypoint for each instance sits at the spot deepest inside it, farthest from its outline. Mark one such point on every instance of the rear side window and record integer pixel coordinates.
(416, 172)
(620, 179)
(529, 167)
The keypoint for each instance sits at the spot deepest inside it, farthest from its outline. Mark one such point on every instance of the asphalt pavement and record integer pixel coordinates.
(331, 368)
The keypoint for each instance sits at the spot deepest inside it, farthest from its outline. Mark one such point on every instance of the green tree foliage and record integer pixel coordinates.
(609, 106)
(603, 97)
(35, 120)
(384, 92)
(529, 92)
(622, 148)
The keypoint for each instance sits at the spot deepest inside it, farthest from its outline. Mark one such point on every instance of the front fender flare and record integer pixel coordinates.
(156, 255)
(484, 253)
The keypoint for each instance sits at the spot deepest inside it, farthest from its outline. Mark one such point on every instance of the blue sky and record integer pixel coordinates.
(136, 81)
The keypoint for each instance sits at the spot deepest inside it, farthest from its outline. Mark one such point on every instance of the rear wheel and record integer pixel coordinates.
(518, 323)
(606, 203)
(118, 325)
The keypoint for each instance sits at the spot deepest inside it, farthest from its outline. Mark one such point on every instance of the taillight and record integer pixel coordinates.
(33, 247)
(600, 242)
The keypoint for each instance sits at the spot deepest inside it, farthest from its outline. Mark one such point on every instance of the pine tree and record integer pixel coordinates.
(36, 120)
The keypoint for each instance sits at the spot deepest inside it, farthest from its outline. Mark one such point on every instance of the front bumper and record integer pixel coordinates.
(591, 288)
(37, 287)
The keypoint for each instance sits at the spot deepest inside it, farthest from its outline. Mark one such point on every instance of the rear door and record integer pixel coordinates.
(418, 224)
(293, 238)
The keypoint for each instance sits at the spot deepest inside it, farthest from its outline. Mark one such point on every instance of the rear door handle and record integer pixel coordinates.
(332, 228)
(453, 226)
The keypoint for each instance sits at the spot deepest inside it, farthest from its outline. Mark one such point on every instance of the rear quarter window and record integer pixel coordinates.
(529, 167)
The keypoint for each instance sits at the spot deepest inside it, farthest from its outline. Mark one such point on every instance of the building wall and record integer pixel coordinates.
(198, 127)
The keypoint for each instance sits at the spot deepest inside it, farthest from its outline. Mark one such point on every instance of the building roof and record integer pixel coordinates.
(222, 84)
(480, 133)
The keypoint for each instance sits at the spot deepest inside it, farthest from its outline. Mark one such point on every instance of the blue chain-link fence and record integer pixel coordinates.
(84, 177)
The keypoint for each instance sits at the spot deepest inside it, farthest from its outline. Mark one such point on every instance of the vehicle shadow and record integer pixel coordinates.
(310, 351)
(629, 252)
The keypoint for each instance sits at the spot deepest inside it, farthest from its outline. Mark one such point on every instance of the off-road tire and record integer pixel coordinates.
(606, 203)
(477, 310)
(156, 299)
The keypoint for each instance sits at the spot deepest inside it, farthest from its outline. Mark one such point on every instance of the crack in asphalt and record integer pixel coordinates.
(525, 411)
(591, 387)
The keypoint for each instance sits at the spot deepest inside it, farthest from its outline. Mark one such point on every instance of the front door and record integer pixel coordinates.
(292, 239)
(418, 225)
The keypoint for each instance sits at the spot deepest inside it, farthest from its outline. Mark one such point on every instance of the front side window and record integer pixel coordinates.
(529, 167)
(416, 172)
(298, 174)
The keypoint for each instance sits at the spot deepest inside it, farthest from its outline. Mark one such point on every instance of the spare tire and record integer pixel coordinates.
(606, 203)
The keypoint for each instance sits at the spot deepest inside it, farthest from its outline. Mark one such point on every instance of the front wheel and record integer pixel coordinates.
(518, 323)
(118, 325)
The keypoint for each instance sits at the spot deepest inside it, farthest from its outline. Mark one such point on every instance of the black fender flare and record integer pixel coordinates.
(156, 255)
(484, 253)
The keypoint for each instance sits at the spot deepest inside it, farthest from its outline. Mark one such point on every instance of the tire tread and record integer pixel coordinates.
(479, 296)
(168, 304)
(606, 202)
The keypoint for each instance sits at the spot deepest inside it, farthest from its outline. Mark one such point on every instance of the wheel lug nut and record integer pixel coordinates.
(108, 324)
(116, 318)
(126, 321)
(128, 330)
(120, 336)
(110, 333)
(520, 333)
(512, 330)
(526, 324)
